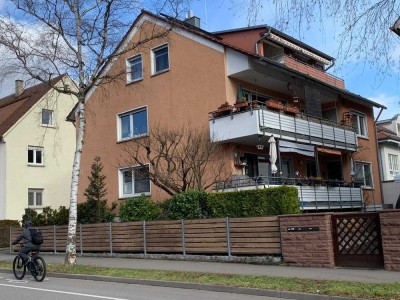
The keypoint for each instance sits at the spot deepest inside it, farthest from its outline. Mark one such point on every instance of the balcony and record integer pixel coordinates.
(247, 125)
(313, 72)
(324, 195)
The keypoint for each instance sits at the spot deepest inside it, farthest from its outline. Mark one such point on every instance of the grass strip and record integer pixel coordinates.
(387, 291)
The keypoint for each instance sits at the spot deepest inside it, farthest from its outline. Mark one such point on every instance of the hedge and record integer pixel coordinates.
(252, 203)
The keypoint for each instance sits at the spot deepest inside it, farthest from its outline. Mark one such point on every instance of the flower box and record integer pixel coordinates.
(239, 105)
(291, 109)
(275, 104)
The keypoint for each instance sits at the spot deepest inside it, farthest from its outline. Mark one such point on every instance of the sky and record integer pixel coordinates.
(363, 80)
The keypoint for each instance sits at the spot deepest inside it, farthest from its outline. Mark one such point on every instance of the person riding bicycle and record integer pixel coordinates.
(28, 246)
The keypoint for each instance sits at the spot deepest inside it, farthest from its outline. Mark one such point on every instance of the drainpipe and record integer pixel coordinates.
(262, 38)
(333, 63)
(378, 154)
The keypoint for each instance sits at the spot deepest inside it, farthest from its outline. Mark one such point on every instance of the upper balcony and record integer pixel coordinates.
(246, 125)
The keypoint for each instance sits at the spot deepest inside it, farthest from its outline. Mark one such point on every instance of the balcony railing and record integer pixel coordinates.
(313, 194)
(313, 72)
(299, 128)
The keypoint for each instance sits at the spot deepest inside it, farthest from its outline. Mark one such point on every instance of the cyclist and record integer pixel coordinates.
(28, 246)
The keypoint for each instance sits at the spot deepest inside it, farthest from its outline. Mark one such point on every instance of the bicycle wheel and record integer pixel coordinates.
(40, 269)
(19, 268)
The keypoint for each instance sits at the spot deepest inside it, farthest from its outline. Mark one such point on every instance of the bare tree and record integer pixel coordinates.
(363, 26)
(48, 38)
(180, 159)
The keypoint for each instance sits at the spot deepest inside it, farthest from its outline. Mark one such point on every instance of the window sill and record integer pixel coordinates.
(363, 137)
(134, 81)
(35, 165)
(133, 138)
(48, 126)
(160, 72)
(370, 188)
(134, 196)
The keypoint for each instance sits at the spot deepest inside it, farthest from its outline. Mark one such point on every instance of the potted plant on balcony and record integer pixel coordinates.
(241, 103)
(275, 104)
(290, 108)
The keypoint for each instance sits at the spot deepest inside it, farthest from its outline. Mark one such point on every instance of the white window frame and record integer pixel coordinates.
(131, 136)
(35, 193)
(369, 164)
(153, 59)
(129, 68)
(357, 115)
(393, 160)
(35, 150)
(51, 118)
(122, 195)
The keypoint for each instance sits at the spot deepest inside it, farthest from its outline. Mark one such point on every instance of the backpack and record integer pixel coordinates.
(36, 236)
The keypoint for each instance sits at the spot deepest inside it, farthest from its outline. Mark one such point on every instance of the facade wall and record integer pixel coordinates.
(391, 192)
(58, 143)
(245, 39)
(390, 230)
(308, 248)
(385, 150)
(2, 180)
(193, 87)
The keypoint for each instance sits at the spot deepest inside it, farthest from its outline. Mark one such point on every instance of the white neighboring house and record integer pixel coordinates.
(389, 156)
(36, 148)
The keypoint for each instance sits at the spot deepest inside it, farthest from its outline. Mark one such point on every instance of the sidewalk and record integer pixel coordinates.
(343, 274)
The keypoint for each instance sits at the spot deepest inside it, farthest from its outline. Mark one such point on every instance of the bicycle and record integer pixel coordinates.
(35, 265)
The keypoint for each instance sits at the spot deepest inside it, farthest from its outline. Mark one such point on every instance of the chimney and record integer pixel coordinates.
(19, 87)
(192, 20)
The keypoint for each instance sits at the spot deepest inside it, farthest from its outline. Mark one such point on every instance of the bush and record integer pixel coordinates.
(48, 217)
(187, 205)
(95, 211)
(252, 203)
(9, 223)
(139, 209)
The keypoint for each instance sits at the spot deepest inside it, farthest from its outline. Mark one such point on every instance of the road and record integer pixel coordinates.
(72, 289)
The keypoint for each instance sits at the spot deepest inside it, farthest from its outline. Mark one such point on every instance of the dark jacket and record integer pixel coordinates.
(26, 236)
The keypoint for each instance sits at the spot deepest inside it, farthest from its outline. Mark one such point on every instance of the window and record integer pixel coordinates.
(160, 59)
(359, 123)
(35, 197)
(133, 124)
(47, 117)
(393, 164)
(364, 174)
(35, 155)
(135, 71)
(134, 181)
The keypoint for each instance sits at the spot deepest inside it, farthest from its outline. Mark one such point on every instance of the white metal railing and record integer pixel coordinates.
(313, 194)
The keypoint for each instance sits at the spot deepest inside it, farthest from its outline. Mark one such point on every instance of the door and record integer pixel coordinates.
(334, 170)
(287, 170)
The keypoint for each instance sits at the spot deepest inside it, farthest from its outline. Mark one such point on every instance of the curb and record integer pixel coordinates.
(197, 286)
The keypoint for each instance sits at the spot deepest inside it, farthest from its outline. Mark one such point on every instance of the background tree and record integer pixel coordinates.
(180, 159)
(95, 209)
(46, 38)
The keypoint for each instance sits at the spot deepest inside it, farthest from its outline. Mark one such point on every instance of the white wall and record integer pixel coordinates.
(391, 191)
(59, 145)
(385, 150)
(2, 180)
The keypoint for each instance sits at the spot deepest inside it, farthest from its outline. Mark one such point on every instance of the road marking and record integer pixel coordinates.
(61, 292)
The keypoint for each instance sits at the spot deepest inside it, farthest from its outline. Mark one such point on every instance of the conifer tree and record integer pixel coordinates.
(97, 187)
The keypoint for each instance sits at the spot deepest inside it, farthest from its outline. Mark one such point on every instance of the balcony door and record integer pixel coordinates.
(257, 165)
(334, 170)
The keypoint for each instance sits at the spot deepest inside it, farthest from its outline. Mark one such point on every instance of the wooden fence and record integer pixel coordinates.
(224, 236)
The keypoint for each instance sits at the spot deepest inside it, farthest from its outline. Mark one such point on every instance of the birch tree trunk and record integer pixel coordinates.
(70, 255)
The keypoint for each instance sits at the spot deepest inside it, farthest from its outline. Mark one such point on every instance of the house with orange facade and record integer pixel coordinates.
(248, 85)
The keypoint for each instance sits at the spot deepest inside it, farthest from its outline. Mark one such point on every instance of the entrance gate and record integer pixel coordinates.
(357, 240)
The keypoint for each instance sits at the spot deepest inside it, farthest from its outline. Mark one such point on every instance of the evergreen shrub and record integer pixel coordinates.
(139, 209)
(187, 205)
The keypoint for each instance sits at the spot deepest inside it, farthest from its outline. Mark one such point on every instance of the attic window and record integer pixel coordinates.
(47, 117)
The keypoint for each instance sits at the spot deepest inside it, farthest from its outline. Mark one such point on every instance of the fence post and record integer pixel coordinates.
(110, 237)
(144, 238)
(80, 237)
(54, 239)
(183, 237)
(228, 237)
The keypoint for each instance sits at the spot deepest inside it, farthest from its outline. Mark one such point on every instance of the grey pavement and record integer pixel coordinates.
(343, 274)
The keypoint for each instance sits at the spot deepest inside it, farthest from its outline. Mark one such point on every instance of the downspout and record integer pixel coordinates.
(333, 63)
(378, 155)
(262, 38)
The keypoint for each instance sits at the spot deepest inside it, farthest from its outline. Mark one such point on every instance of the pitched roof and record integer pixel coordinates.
(385, 134)
(13, 108)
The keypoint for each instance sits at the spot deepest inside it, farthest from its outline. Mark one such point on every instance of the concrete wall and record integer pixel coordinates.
(307, 248)
(390, 230)
(58, 143)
